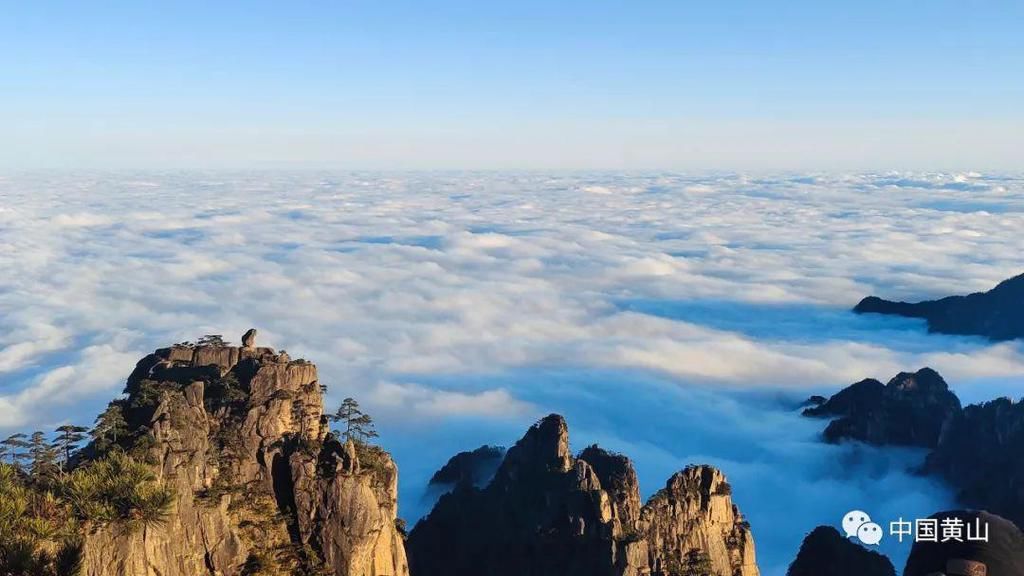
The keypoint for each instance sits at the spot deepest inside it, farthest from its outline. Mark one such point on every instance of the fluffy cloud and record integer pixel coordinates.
(459, 307)
(422, 400)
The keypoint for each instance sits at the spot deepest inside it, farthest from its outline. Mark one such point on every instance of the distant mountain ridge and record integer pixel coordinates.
(997, 314)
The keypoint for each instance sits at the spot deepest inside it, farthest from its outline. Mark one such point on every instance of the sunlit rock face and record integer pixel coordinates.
(694, 515)
(259, 484)
(548, 512)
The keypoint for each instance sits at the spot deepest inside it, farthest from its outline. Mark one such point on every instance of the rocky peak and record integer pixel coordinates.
(544, 448)
(261, 487)
(616, 474)
(697, 486)
(693, 520)
(911, 410)
(925, 382)
(547, 513)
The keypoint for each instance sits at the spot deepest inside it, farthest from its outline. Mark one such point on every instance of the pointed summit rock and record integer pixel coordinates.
(249, 338)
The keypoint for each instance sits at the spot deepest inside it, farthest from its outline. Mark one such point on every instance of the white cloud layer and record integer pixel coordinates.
(445, 301)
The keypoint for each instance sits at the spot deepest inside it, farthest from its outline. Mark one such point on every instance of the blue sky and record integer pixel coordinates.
(452, 84)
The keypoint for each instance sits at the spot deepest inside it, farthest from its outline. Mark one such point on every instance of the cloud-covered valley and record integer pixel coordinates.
(675, 318)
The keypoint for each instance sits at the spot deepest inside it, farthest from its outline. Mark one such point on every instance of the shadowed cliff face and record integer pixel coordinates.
(979, 454)
(996, 314)
(261, 487)
(546, 512)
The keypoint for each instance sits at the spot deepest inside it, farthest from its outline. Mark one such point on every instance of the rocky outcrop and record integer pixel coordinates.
(996, 314)
(979, 455)
(825, 552)
(546, 512)
(692, 521)
(910, 410)
(261, 487)
(349, 513)
(475, 468)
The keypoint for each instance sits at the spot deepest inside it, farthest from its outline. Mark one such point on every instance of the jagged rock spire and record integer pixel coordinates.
(547, 513)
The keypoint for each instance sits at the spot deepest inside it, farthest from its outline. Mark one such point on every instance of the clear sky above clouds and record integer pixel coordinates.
(524, 84)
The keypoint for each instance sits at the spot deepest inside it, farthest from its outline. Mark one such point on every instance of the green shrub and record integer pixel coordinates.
(117, 489)
(37, 535)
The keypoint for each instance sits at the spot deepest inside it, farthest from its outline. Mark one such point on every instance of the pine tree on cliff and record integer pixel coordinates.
(14, 448)
(68, 438)
(110, 426)
(43, 456)
(216, 340)
(358, 425)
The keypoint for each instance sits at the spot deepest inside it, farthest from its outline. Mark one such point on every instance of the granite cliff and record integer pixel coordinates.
(260, 484)
(547, 512)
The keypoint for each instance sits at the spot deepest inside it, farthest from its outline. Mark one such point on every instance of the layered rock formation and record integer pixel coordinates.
(910, 410)
(546, 512)
(825, 552)
(996, 314)
(979, 455)
(260, 485)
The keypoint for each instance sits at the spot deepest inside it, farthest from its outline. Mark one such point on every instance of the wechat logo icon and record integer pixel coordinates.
(857, 524)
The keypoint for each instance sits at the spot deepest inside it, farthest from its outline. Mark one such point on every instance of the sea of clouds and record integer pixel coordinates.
(678, 319)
